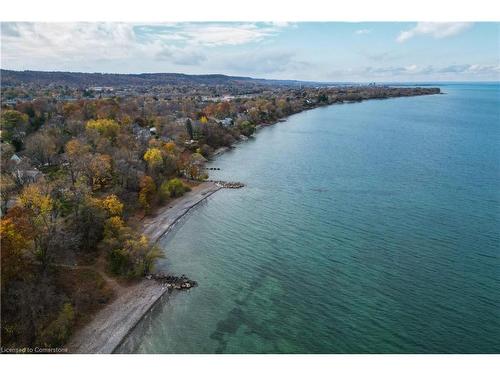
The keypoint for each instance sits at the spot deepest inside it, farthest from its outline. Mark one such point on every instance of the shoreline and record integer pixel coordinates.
(223, 149)
(111, 325)
(162, 222)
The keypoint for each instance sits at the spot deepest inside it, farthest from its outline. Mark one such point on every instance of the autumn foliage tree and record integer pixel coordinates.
(112, 205)
(153, 157)
(129, 254)
(172, 189)
(99, 171)
(105, 127)
(77, 156)
(41, 147)
(14, 126)
(147, 193)
(40, 214)
(16, 239)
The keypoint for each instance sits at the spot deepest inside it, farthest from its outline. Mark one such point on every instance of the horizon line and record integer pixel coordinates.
(253, 78)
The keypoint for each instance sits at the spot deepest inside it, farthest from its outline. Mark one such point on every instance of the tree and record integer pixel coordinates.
(39, 207)
(246, 128)
(283, 107)
(88, 221)
(69, 109)
(322, 98)
(41, 147)
(189, 128)
(128, 254)
(254, 115)
(6, 152)
(107, 128)
(143, 254)
(153, 157)
(99, 171)
(220, 110)
(113, 205)
(191, 166)
(114, 230)
(115, 233)
(14, 125)
(59, 330)
(172, 189)
(204, 150)
(77, 155)
(15, 240)
(170, 148)
(147, 193)
(7, 189)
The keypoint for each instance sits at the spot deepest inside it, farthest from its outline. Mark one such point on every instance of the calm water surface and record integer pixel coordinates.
(364, 228)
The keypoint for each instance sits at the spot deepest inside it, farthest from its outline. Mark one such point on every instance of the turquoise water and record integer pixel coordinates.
(364, 228)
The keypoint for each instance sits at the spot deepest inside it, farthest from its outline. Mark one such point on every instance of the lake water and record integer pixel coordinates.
(363, 228)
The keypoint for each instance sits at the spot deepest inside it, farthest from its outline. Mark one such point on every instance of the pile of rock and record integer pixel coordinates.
(229, 185)
(173, 282)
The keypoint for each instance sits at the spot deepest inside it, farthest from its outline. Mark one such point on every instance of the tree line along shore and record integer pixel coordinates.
(80, 174)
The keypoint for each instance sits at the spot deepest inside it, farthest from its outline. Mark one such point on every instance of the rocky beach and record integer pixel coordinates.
(109, 327)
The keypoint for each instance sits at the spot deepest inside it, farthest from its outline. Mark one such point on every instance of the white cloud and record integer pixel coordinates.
(224, 34)
(55, 46)
(362, 31)
(411, 68)
(434, 29)
(414, 72)
(67, 41)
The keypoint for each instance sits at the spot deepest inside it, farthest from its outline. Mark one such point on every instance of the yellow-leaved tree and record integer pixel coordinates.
(153, 157)
(15, 240)
(42, 218)
(170, 148)
(105, 127)
(112, 205)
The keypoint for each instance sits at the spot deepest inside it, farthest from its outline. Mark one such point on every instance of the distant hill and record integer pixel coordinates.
(12, 78)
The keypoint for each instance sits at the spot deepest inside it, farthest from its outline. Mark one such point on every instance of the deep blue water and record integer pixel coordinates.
(364, 228)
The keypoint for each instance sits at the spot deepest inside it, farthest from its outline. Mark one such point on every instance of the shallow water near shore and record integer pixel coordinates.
(363, 228)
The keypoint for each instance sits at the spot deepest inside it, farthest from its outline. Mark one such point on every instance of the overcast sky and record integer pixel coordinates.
(305, 51)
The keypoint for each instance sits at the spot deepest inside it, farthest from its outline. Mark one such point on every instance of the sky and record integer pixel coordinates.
(328, 52)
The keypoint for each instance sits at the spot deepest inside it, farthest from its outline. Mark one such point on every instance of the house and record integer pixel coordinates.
(11, 102)
(141, 133)
(99, 88)
(165, 138)
(27, 176)
(16, 159)
(227, 122)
